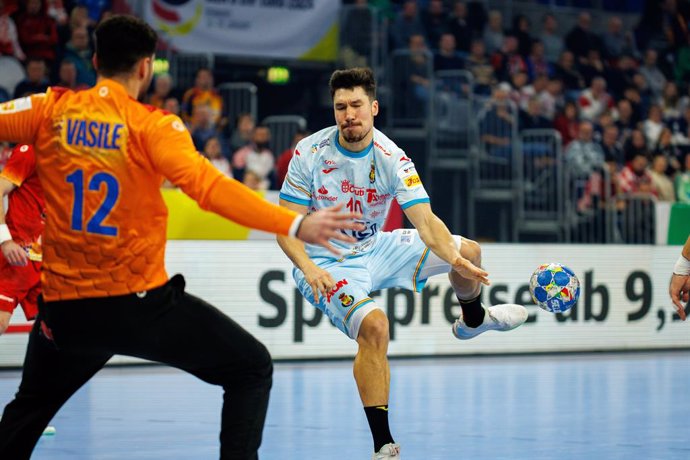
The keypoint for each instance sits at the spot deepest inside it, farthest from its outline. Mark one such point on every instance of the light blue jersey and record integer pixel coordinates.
(322, 173)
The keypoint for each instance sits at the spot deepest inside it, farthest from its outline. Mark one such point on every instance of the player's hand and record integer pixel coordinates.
(320, 280)
(679, 289)
(14, 254)
(468, 270)
(326, 224)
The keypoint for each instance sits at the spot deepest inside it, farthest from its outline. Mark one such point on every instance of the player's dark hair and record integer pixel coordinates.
(121, 41)
(352, 78)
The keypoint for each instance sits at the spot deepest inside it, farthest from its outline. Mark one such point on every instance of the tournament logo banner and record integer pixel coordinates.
(284, 29)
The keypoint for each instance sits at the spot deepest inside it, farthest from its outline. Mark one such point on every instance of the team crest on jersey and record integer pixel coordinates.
(372, 173)
(346, 300)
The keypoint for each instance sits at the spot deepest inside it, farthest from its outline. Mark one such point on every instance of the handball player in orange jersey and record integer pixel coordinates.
(20, 235)
(101, 157)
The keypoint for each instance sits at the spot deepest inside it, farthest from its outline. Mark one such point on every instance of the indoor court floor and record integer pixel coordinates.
(563, 406)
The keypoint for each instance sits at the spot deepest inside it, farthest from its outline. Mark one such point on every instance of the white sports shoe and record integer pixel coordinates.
(504, 317)
(387, 452)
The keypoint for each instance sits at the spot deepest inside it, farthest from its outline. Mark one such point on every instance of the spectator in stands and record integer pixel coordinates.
(632, 95)
(406, 25)
(285, 157)
(9, 41)
(447, 57)
(459, 27)
(620, 75)
(78, 18)
(521, 31)
(96, 8)
(536, 62)
(243, 132)
(611, 147)
(653, 125)
(214, 153)
(201, 126)
(681, 69)
(162, 90)
(417, 73)
(615, 41)
(507, 61)
(532, 118)
(568, 74)
(480, 66)
(635, 177)
(652, 74)
(172, 105)
(661, 26)
(35, 81)
(553, 43)
(592, 66)
(583, 156)
(520, 93)
(435, 21)
(496, 127)
(203, 93)
(670, 151)
(255, 158)
(67, 75)
(670, 103)
(595, 100)
(493, 33)
(581, 39)
(682, 181)
(681, 131)
(567, 123)
(356, 35)
(635, 144)
(552, 99)
(56, 10)
(37, 31)
(78, 51)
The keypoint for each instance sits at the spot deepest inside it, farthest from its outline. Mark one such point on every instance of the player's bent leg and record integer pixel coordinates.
(50, 376)
(371, 368)
(4, 321)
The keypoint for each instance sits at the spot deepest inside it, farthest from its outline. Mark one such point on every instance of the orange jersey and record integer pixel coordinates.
(101, 158)
(26, 214)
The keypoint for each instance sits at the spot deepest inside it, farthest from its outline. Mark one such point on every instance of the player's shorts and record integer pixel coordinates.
(398, 259)
(20, 285)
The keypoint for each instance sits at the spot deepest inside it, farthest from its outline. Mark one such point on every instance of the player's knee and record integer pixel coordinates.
(4, 321)
(374, 331)
(472, 251)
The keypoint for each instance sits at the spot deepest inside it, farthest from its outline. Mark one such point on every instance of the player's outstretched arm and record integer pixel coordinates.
(439, 240)
(679, 289)
(13, 253)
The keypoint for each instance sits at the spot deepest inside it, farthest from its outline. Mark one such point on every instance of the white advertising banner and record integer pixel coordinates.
(282, 29)
(623, 305)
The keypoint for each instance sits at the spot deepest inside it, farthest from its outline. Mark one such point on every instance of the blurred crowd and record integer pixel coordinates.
(618, 96)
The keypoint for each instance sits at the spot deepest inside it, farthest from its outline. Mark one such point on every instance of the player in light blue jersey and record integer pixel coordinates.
(356, 165)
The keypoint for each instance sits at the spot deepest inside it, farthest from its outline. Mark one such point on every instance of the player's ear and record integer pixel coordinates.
(375, 108)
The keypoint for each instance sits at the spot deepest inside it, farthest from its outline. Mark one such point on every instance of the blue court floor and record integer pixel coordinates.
(595, 406)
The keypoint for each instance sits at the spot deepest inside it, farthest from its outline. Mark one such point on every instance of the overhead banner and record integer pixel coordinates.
(624, 303)
(280, 29)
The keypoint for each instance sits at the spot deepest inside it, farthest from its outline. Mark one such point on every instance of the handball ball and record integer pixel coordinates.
(554, 287)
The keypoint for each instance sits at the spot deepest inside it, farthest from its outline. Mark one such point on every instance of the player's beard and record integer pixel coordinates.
(352, 137)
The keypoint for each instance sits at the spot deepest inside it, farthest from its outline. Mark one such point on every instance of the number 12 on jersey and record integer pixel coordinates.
(112, 191)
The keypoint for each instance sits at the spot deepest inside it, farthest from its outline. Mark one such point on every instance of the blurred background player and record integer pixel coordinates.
(352, 163)
(105, 290)
(20, 235)
(680, 281)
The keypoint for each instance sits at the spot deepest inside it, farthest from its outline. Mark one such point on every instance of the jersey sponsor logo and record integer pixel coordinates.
(336, 288)
(329, 162)
(346, 300)
(412, 181)
(82, 133)
(323, 190)
(177, 125)
(297, 153)
(406, 237)
(374, 198)
(324, 143)
(314, 148)
(323, 195)
(328, 170)
(404, 158)
(17, 105)
(347, 187)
